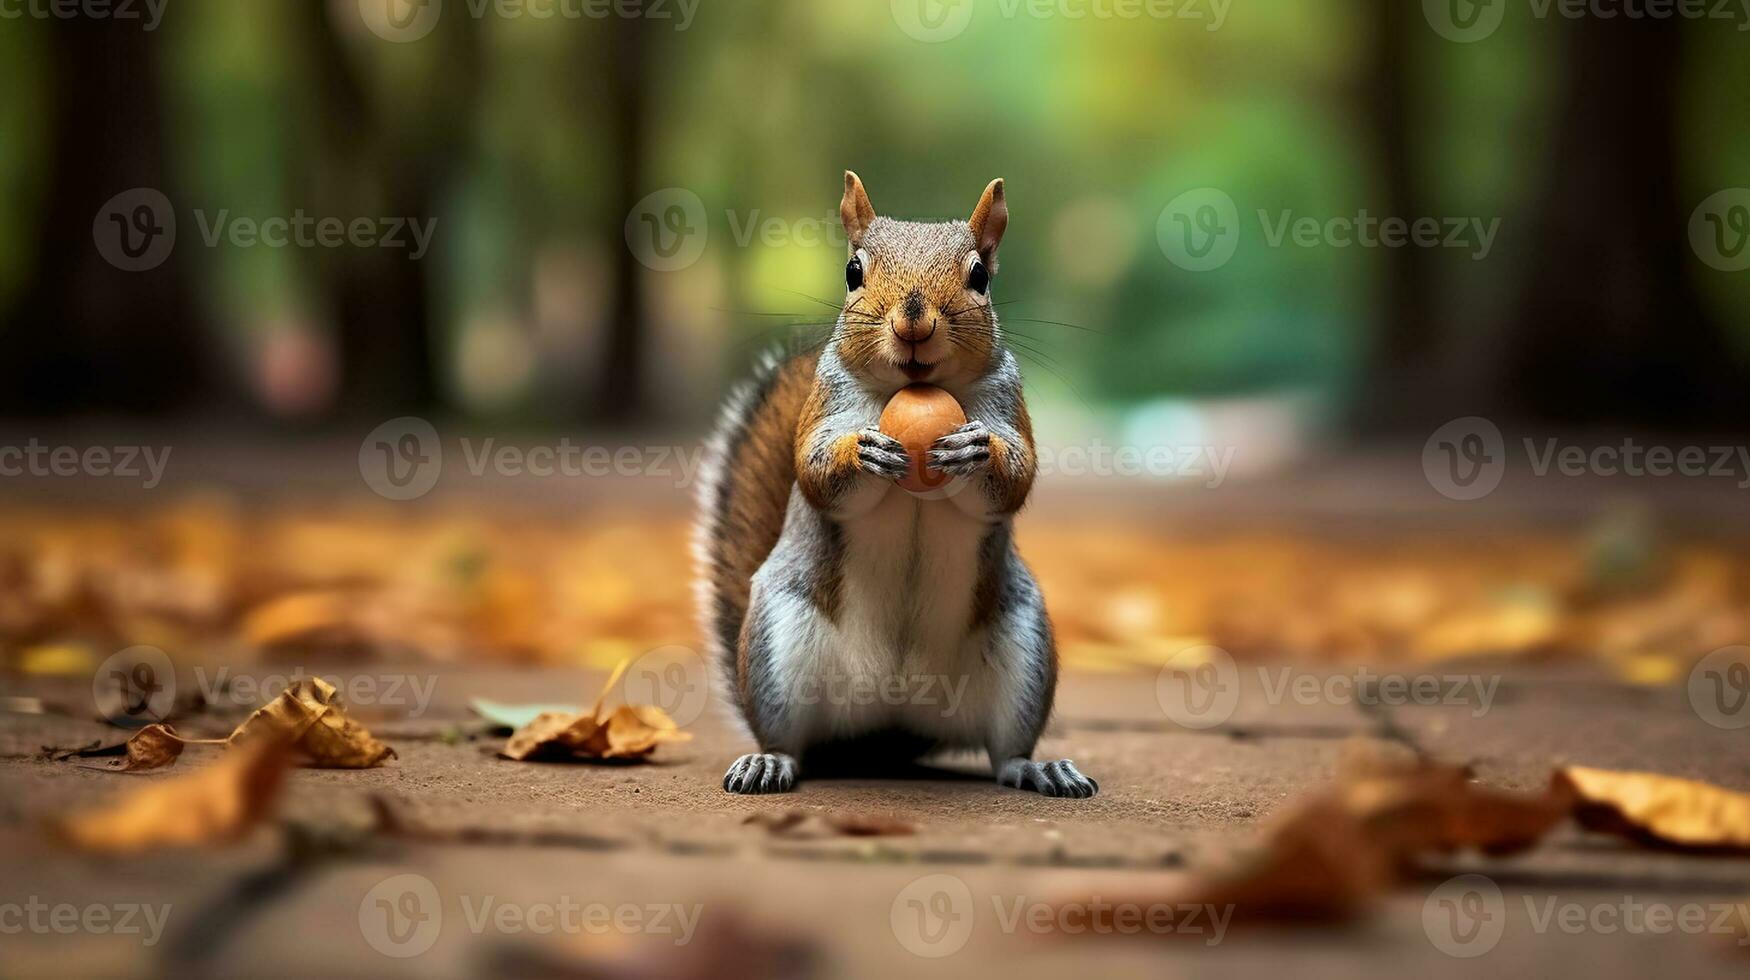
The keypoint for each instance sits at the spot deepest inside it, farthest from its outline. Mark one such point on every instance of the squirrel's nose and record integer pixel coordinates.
(915, 331)
(911, 327)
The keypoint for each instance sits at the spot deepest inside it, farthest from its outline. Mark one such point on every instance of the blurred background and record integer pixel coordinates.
(268, 238)
(531, 141)
(337, 334)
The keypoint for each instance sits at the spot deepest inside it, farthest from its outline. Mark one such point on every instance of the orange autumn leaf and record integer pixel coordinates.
(629, 732)
(1658, 809)
(152, 747)
(1330, 855)
(308, 715)
(212, 805)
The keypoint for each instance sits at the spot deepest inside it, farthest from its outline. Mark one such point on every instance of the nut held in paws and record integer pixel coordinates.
(917, 416)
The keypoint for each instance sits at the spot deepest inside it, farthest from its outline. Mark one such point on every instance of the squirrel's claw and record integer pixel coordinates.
(761, 772)
(882, 455)
(962, 452)
(1059, 778)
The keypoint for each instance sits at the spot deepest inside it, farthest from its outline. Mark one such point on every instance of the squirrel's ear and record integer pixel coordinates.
(854, 209)
(990, 219)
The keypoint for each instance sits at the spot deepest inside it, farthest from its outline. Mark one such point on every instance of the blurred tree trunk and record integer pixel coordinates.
(619, 393)
(86, 336)
(363, 166)
(1608, 327)
(1405, 387)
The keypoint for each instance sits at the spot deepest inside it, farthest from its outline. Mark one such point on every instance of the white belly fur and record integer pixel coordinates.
(902, 647)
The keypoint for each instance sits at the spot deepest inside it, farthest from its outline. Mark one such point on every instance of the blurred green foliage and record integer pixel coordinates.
(757, 107)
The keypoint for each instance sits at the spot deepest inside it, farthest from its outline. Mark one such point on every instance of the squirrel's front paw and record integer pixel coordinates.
(882, 455)
(962, 452)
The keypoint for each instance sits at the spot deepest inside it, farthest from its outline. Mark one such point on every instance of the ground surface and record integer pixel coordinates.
(505, 845)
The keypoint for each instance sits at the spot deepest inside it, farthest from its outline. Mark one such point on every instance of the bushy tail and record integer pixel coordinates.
(744, 489)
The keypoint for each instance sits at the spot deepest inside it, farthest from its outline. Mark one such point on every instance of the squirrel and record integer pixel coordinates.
(842, 609)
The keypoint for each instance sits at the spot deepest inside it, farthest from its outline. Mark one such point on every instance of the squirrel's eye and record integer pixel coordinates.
(854, 274)
(978, 280)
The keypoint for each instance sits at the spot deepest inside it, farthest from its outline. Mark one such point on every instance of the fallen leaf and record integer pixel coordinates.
(215, 804)
(630, 732)
(1657, 809)
(1327, 857)
(306, 714)
(152, 747)
(801, 825)
(514, 716)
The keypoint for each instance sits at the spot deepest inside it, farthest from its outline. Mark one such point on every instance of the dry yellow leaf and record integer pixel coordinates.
(214, 804)
(307, 715)
(630, 732)
(1658, 809)
(152, 747)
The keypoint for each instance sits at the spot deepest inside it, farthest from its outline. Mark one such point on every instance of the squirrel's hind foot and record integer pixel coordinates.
(761, 772)
(1059, 778)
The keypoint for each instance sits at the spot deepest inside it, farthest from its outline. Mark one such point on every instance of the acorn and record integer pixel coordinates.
(917, 416)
